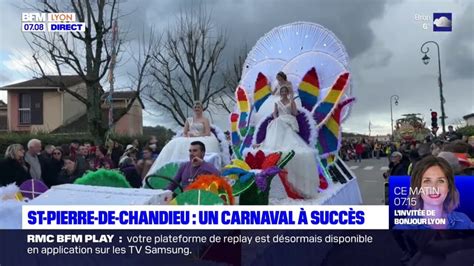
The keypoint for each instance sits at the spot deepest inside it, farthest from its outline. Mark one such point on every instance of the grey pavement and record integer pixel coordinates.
(371, 182)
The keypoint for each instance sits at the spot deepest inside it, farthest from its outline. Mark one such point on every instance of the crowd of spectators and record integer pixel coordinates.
(403, 155)
(65, 163)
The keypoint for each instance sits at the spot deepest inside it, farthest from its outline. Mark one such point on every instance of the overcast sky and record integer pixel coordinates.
(382, 38)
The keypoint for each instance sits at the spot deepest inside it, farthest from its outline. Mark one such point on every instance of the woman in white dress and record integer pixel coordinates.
(198, 125)
(282, 135)
(284, 124)
(282, 81)
(196, 128)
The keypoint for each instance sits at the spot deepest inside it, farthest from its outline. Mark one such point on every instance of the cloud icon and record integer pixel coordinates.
(442, 22)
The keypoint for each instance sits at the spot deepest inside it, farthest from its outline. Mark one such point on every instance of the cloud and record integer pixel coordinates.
(381, 64)
(17, 61)
(22, 64)
(246, 21)
(406, 75)
(4, 78)
(376, 56)
(458, 48)
(442, 22)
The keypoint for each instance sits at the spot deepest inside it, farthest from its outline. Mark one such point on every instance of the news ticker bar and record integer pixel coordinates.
(164, 217)
(52, 22)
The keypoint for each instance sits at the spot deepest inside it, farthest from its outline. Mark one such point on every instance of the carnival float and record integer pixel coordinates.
(410, 128)
(289, 158)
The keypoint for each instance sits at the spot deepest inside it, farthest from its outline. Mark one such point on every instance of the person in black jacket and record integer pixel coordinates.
(47, 153)
(398, 165)
(52, 168)
(116, 152)
(70, 171)
(14, 169)
(81, 159)
(127, 167)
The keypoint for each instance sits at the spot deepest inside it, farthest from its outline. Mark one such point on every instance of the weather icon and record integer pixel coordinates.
(442, 21)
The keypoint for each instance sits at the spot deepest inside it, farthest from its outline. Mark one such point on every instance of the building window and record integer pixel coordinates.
(25, 109)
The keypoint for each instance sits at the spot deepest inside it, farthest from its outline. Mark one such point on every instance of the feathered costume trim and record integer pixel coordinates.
(219, 134)
(307, 129)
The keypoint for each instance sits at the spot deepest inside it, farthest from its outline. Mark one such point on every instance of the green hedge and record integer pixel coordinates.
(58, 139)
(466, 131)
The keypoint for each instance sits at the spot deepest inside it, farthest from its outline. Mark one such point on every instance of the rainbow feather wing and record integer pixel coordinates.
(261, 130)
(234, 134)
(326, 107)
(329, 132)
(262, 91)
(248, 139)
(304, 126)
(309, 89)
(244, 109)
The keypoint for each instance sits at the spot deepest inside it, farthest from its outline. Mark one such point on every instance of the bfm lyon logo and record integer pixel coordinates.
(442, 21)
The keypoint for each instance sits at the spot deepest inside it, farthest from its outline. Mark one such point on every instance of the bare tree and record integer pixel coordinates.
(186, 64)
(231, 77)
(458, 122)
(142, 58)
(87, 54)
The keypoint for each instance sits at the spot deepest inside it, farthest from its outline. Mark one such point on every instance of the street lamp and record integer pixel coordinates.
(426, 60)
(396, 97)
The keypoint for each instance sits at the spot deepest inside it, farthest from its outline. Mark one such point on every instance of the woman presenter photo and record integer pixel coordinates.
(432, 189)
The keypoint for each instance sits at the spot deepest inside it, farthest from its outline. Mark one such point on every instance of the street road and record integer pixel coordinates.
(371, 182)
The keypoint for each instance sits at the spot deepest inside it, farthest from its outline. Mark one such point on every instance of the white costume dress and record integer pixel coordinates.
(302, 169)
(177, 150)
